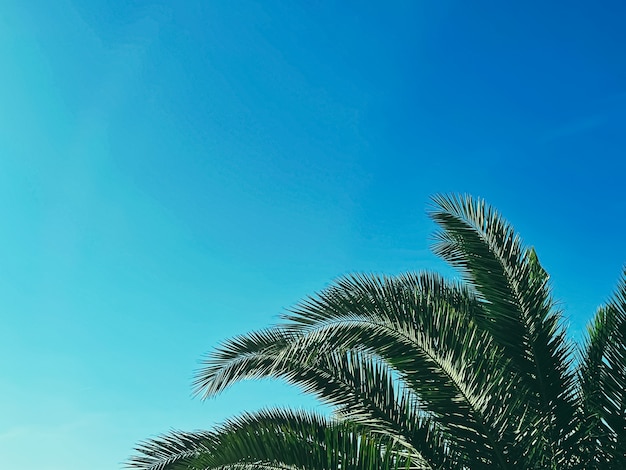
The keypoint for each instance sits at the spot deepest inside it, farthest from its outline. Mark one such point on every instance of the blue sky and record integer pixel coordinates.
(174, 173)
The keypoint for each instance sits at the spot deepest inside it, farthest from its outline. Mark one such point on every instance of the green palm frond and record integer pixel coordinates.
(173, 451)
(360, 386)
(416, 323)
(275, 439)
(519, 311)
(602, 374)
(615, 368)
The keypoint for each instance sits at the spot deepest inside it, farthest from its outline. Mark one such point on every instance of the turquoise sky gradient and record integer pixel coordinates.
(175, 173)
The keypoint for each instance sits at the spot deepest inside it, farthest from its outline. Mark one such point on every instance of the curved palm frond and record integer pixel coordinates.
(602, 376)
(519, 311)
(416, 324)
(275, 439)
(360, 386)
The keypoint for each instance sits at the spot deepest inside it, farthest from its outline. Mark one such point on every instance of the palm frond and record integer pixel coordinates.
(416, 323)
(275, 439)
(169, 452)
(360, 386)
(602, 375)
(519, 311)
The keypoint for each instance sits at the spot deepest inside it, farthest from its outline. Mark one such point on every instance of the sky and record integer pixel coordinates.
(176, 173)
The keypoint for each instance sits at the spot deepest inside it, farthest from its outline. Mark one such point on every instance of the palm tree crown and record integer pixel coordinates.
(426, 373)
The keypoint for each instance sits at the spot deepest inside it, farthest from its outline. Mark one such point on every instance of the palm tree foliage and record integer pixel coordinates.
(426, 373)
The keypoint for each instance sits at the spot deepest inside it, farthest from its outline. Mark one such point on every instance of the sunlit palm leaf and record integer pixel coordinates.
(518, 311)
(417, 324)
(360, 386)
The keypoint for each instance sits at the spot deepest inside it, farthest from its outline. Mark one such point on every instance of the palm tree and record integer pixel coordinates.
(426, 373)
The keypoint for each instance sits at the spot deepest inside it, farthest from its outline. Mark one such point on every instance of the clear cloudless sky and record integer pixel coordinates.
(174, 173)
